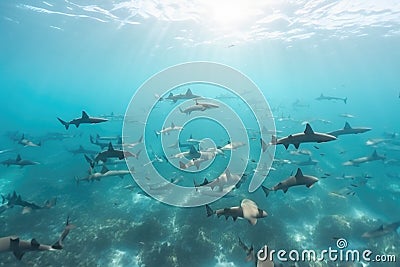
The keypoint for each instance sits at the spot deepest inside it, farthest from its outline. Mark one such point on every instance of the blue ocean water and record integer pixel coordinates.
(61, 57)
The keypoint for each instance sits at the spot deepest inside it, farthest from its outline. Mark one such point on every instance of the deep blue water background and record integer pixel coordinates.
(97, 66)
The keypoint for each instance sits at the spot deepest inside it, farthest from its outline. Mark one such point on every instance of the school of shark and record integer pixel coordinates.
(321, 201)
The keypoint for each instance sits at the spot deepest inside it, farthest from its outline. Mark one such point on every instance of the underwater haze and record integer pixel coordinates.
(320, 63)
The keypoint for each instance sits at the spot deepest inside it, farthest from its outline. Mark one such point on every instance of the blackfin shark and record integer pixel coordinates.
(382, 230)
(84, 119)
(323, 97)
(82, 150)
(25, 142)
(19, 247)
(248, 210)
(167, 130)
(19, 162)
(358, 161)
(305, 137)
(114, 153)
(298, 179)
(187, 95)
(347, 129)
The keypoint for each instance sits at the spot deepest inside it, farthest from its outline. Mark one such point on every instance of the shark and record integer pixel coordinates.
(308, 162)
(382, 230)
(193, 153)
(298, 179)
(187, 95)
(132, 145)
(114, 153)
(232, 145)
(19, 162)
(25, 142)
(308, 136)
(16, 200)
(250, 256)
(347, 129)
(263, 260)
(356, 162)
(323, 97)
(19, 247)
(192, 108)
(207, 105)
(167, 130)
(84, 119)
(82, 150)
(96, 142)
(107, 138)
(105, 172)
(204, 156)
(225, 179)
(248, 210)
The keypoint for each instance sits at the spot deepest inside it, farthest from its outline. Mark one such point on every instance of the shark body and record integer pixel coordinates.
(84, 119)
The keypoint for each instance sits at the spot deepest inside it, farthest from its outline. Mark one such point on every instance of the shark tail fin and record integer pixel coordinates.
(157, 133)
(264, 145)
(273, 140)
(210, 212)
(66, 124)
(266, 190)
(182, 165)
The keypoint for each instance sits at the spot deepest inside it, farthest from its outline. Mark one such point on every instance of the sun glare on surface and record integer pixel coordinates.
(230, 14)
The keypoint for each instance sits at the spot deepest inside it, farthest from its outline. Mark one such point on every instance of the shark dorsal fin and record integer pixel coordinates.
(110, 147)
(191, 137)
(23, 137)
(81, 147)
(171, 95)
(322, 95)
(189, 92)
(308, 129)
(228, 174)
(380, 227)
(85, 115)
(193, 150)
(347, 126)
(18, 158)
(172, 125)
(299, 173)
(14, 243)
(375, 154)
(34, 243)
(104, 169)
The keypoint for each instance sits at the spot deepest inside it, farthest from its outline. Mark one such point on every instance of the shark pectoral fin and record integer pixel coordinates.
(309, 185)
(34, 243)
(209, 211)
(286, 145)
(234, 218)
(252, 221)
(285, 189)
(18, 254)
(296, 145)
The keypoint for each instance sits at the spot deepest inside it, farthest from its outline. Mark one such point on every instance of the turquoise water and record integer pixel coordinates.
(61, 57)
